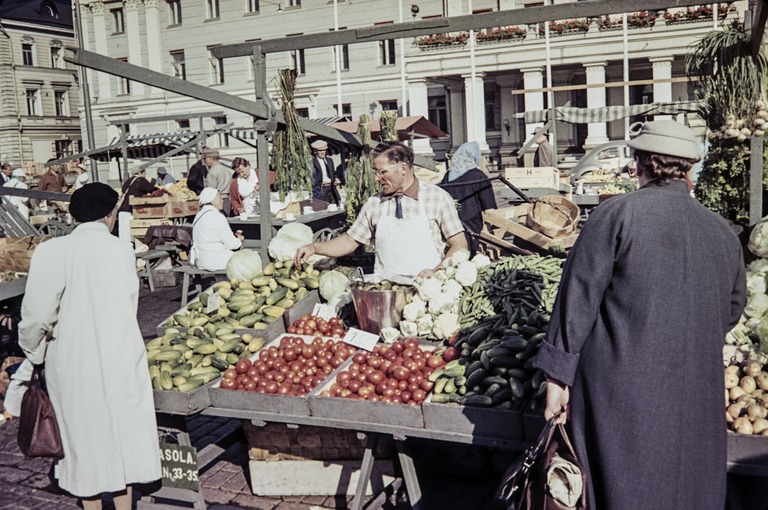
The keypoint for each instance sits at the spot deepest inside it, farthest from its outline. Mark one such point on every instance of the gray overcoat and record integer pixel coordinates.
(648, 292)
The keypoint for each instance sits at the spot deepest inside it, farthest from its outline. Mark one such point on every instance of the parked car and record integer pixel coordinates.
(614, 154)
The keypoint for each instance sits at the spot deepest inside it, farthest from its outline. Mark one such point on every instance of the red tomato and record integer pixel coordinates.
(228, 384)
(230, 373)
(242, 366)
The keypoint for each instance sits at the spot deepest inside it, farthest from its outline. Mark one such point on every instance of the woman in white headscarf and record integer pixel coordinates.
(470, 188)
(213, 242)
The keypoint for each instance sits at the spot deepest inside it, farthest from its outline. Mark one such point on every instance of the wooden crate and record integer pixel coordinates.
(534, 177)
(166, 210)
(506, 225)
(139, 227)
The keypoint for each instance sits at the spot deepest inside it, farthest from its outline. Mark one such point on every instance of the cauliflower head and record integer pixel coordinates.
(445, 325)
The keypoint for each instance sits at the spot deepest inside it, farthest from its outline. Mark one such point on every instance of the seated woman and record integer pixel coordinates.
(213, 242)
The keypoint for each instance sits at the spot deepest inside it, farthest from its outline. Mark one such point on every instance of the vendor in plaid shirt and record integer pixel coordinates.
(410, 222)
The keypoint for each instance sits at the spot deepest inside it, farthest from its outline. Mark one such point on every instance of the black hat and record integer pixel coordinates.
(92, 202)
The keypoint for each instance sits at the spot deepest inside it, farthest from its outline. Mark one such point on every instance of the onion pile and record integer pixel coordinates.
(311, 325)
(396, 374)
(294, 367)
(746, 395)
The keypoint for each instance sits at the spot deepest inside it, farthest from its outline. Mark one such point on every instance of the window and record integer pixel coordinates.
(174, 12)
(346, 109)
(183, 123)
(179, 64)
(57, 61)
(61, 103)
(124, 84)
(251, 6)
(118, 21)
(33, 102)
(63, 148)
(212, 9)
(297, 61)
(302, 112)
(491, 120)
(215, 68)
(387, 52)
(222, 139)
(28, 53)
(388, 104)
(438, 112)
(343, 57)
(294, 3)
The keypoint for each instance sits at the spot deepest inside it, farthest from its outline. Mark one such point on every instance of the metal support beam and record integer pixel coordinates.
(195, 91)
(757, 19)
(465, 23)
(160, 118)
(755, 179)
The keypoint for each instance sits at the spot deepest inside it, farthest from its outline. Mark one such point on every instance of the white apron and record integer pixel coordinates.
(404, 245)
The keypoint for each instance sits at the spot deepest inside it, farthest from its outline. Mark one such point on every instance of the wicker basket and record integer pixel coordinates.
(16, 252)
(553, 216)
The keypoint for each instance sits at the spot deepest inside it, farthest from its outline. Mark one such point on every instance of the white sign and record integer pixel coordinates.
(214, 302)
(324, 311)
(361, 339)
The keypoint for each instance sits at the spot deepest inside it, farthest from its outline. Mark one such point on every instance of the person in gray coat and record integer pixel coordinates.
(634, 349)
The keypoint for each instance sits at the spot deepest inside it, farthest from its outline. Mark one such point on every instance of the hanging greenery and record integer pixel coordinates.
(732, 87)
(387, 122)
(291, 156)
(361, 184)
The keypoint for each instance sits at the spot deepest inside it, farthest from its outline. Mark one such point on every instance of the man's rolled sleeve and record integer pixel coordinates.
(556, 363)
(362, 229)
(450, 224)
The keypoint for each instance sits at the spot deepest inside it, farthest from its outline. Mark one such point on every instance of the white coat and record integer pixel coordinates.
(83, 288)
(19, 202)
(212, 240)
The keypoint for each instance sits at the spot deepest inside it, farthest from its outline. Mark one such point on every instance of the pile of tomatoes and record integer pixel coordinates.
(317, 326)
(294, 367)
(396, 374)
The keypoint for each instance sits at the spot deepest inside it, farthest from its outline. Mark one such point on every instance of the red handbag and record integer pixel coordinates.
(38, 431)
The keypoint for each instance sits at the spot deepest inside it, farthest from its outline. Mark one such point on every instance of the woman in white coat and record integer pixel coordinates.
(213, 242)
(79, 317)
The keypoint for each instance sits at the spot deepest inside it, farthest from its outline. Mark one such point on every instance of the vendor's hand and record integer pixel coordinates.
(558, 396)
(304, 253)
(427, 273)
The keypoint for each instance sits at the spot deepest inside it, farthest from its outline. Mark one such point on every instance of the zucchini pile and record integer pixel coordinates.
(251, 304)
(185, 361)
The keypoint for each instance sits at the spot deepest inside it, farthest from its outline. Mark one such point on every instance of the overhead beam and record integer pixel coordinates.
(35, 193)
(195, 91)
(527, 16)
(160, 118)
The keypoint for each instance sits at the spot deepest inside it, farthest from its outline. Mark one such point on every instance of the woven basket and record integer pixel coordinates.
(553, 216)
(16, 252)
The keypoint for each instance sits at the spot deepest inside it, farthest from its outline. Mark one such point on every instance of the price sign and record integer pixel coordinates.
(324, 311)
(214, 303)
(179, 465)
(361, 339)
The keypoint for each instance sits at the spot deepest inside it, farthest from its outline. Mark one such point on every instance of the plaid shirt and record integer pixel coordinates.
(439, 206)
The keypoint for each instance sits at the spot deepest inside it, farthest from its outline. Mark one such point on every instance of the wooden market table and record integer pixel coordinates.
(317, 220)
(13, 288)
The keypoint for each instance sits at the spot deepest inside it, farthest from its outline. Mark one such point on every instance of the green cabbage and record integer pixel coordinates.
(244, 265)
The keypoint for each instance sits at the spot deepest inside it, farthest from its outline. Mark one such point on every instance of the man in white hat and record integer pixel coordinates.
(82, 176)
(18, 176)
(649, 291)
(324, 179)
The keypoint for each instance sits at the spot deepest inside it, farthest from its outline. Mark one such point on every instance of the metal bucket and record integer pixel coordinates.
(375, 309)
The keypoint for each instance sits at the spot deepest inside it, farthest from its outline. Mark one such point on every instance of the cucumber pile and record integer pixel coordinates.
(251, 304)
(185, 361)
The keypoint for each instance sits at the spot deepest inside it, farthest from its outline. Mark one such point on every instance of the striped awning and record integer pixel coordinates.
(147, 146)
(608, 113)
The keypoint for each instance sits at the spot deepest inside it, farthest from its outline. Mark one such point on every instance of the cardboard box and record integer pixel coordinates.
(534, 177)
(166, 210)
(161, 200)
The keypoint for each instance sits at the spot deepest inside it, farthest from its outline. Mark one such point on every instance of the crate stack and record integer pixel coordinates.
(154, 211)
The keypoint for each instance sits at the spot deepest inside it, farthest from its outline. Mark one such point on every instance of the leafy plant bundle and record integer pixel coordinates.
(361, 184)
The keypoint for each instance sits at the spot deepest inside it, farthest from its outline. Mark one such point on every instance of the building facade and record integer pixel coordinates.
(39, 92)
(471, 89)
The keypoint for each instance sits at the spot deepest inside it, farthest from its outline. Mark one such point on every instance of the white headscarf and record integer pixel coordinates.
(466, 157)
(207, 195)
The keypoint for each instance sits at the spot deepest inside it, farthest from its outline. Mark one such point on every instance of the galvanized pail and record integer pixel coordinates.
(375, 309)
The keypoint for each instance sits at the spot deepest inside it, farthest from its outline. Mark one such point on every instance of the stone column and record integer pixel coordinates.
(597, 132)
(475, 109)
(458, 115)
(131, 8)
(418, 104)
(662, 92)
(533, 78)
(100, 47)
(154, 42)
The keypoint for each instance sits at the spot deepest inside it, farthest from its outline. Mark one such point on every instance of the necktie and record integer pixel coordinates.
(398, 206)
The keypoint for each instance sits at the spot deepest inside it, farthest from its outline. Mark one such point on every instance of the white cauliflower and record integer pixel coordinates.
(408, 328)
(466, 273)
(446, 324)
(429, 288)
(414, 310)
(459, 257)
(442, 275)
(481, 261)
(424, 326)
(758, 266)
(756, 284)
(453, 289)
(757, 305)
(450, 272)
(441, 303)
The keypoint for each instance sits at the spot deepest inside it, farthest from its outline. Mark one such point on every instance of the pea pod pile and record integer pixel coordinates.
(185, 361)
(251, 304)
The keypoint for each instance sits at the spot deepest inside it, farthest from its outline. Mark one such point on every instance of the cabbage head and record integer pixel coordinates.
(288, 240)
(332, 284)
(758, 239)
(244, 265)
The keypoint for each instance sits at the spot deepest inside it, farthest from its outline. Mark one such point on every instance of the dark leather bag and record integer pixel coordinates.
(38, 431)
(524, 484)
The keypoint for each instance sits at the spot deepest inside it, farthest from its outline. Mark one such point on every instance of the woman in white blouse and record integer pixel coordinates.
(213, 242)
(246, 183)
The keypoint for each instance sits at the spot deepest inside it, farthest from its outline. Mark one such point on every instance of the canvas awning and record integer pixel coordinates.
(406, 127)
(148, 146)
(575, 115)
